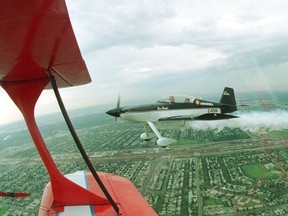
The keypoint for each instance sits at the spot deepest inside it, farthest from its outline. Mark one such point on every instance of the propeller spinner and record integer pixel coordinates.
(116, 111)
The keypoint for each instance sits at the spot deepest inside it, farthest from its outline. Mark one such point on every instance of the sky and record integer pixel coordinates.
(146, 49)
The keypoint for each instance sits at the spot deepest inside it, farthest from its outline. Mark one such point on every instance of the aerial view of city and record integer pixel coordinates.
(199, 127)
(225, 170)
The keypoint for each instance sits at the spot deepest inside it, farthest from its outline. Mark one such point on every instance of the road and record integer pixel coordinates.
(198, 189)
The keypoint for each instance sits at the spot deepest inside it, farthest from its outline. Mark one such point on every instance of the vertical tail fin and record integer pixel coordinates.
(228, 98)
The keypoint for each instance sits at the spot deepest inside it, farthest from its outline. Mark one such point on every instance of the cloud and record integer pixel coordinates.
(203, 23)
(137, 41)
(158, 47)
(165, 60)
(8, 110)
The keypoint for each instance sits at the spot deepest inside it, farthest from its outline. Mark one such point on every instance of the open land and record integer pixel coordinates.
(227, 172)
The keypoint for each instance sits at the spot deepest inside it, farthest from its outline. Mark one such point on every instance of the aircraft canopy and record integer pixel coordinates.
(173, 98)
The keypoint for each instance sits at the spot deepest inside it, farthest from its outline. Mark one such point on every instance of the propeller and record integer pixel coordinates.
(118, 106)
(116, 111)
(118, 102)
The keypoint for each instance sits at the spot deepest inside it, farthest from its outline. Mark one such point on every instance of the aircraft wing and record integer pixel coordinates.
(129, 200)
(37, 37)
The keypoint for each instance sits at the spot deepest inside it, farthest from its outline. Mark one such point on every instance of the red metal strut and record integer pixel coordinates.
(65, 192)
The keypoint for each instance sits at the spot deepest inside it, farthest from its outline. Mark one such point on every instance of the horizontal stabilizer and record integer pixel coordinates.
(215, 116)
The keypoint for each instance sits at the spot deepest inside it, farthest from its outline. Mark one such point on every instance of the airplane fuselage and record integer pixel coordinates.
(179, 111)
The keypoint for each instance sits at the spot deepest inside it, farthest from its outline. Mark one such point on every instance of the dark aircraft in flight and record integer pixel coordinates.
(176, 108)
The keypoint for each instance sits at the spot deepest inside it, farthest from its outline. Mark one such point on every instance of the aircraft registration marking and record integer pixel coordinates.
(214, 110)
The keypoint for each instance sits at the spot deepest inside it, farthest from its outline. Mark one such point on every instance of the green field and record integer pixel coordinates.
(281, 133)
(3, 210)
(191, 136)
(258, 171)
(186, 142)
(211, 201)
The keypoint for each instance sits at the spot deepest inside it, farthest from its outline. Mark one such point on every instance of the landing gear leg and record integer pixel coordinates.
(162, 141)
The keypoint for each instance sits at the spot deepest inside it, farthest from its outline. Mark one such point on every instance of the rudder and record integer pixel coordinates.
(228, 98)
